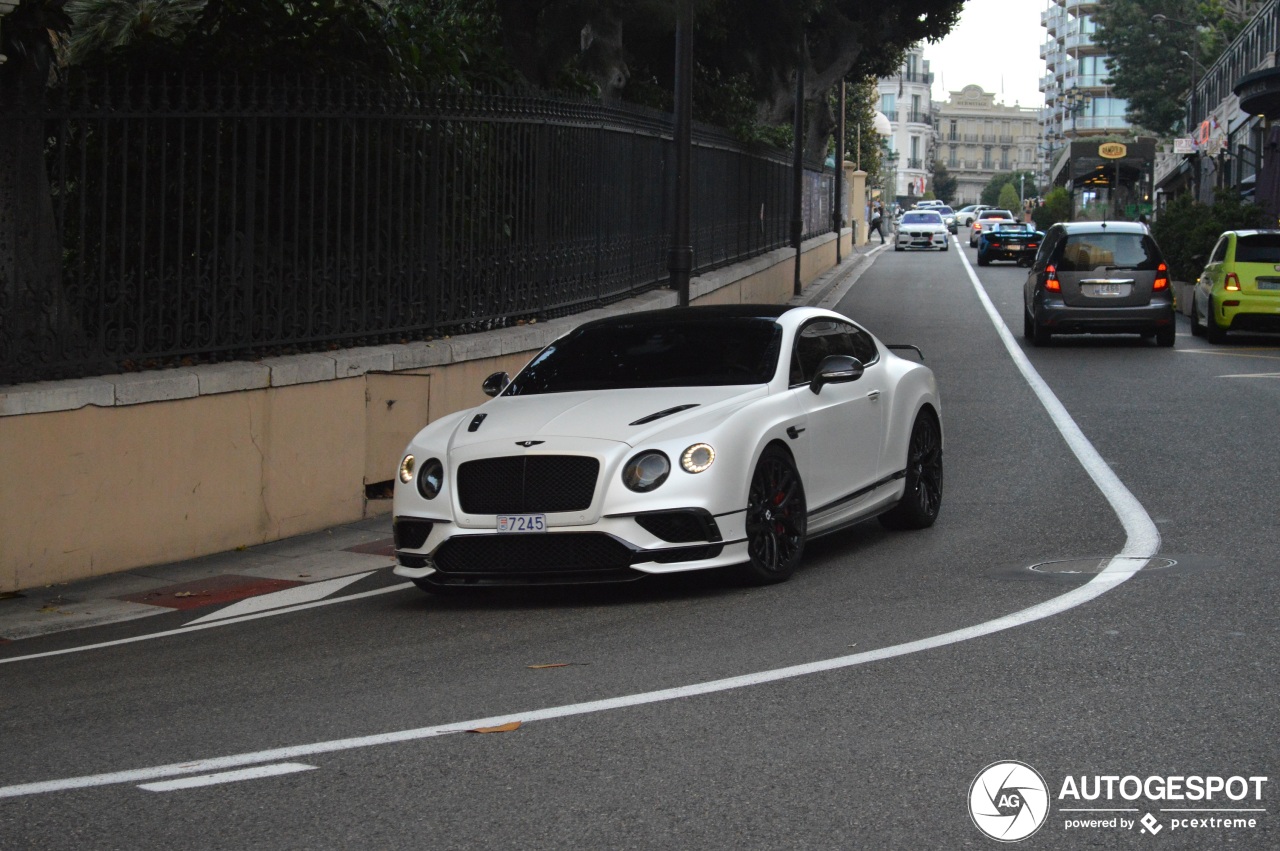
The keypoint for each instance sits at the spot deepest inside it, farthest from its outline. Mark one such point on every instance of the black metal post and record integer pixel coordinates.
(837, 215)
(797, 164)
(680, 256)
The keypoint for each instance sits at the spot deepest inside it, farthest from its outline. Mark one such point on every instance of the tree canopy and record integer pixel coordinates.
(1154, 60)
(746, 52)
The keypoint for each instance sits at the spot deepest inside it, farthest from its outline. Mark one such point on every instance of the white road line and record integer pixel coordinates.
(227, 777)
(308, 592)
(197, 627)
(1253, 375)
(1142, 541)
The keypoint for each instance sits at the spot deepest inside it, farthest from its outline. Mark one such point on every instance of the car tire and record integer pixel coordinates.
(1196, 330)
(776, 521)
(946, 246)
(922, 498)
(1213, 332)
(982, 259)
(1035, 332)
(897, 248)
(1028, 326)
(1166, 337)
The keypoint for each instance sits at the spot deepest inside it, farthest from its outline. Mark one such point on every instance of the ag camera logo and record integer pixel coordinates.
(1008, 801)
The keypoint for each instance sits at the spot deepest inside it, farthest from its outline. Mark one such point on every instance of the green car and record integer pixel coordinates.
(1239, 289)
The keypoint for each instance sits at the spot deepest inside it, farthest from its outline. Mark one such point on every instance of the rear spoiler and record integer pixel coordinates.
(906, 346)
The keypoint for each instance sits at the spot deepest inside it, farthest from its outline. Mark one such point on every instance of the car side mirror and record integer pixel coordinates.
(495, 384)
(836, 369)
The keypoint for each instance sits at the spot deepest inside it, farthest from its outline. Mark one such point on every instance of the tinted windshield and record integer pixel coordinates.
(946, 211)
(649, 353)
(922, 219)
(1085, 252)
(1258, 248)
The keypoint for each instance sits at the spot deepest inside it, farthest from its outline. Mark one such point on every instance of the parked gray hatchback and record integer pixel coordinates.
(1098, 278)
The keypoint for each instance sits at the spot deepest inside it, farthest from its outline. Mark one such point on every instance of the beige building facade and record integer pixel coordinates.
(979, 138)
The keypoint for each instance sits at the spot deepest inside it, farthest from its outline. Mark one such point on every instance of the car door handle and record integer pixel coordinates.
(874, 395)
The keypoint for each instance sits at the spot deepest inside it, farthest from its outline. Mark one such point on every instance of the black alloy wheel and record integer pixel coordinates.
(777, 519)
(922, 499)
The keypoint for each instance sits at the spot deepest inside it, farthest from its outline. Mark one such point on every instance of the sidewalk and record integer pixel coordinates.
(300, 569)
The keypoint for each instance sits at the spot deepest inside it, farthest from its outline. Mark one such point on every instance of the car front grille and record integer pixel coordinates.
(525, 484)
(516, 554)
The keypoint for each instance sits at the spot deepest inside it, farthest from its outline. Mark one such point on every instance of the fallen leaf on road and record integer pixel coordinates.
(501, 728)
(185, 594)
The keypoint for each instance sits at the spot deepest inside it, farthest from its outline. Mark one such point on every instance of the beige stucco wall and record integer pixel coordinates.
(99, 489)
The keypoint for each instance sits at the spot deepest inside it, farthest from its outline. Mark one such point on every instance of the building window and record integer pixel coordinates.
(951, 157)
(952, 136)
(986, 157)
(888, 105)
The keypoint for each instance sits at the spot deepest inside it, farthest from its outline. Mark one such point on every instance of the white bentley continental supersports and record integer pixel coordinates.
(668, 441)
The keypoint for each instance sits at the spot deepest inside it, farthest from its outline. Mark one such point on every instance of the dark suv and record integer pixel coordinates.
(1100, 278)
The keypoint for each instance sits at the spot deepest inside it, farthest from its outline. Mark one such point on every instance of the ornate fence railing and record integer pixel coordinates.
(218, 218)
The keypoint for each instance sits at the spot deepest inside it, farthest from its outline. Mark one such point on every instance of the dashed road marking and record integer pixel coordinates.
(254, 773)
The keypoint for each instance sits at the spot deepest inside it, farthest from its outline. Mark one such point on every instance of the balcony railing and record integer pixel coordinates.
(918, 117)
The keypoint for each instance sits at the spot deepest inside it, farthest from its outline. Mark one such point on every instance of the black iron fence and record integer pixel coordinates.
(220, 219)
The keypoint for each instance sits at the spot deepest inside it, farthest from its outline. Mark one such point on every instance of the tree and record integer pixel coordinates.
(1186, 230)
(746, 51)
(1148, 65)
(944, 182)
(1008, 200)
(991, 192)
(1056, 208)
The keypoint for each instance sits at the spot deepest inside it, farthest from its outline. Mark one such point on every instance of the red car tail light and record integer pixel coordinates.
(1233, 282)
(1051, 282)
(1162, 278)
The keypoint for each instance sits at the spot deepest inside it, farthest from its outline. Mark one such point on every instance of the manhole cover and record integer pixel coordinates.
(1093, 565)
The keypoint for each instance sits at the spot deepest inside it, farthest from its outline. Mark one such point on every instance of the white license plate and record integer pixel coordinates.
(522, 522)
(1106, 289)
(1268, 284)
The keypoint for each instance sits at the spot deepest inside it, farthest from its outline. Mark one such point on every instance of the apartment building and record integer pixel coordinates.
(978, 138)
(906, 100)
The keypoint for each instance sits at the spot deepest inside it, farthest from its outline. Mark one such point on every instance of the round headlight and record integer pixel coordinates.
(430, 478)
(646, 471)
(697, 458)
(406, 469)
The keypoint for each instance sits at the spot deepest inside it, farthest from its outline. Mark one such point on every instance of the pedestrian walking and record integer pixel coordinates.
(877, 221)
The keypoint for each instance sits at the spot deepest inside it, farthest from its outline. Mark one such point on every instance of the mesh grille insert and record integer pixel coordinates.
(519, 484)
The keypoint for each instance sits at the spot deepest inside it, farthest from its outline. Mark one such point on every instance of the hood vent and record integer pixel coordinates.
(660, 414)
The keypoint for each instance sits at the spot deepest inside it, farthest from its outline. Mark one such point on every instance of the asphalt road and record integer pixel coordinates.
(1170, 673)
